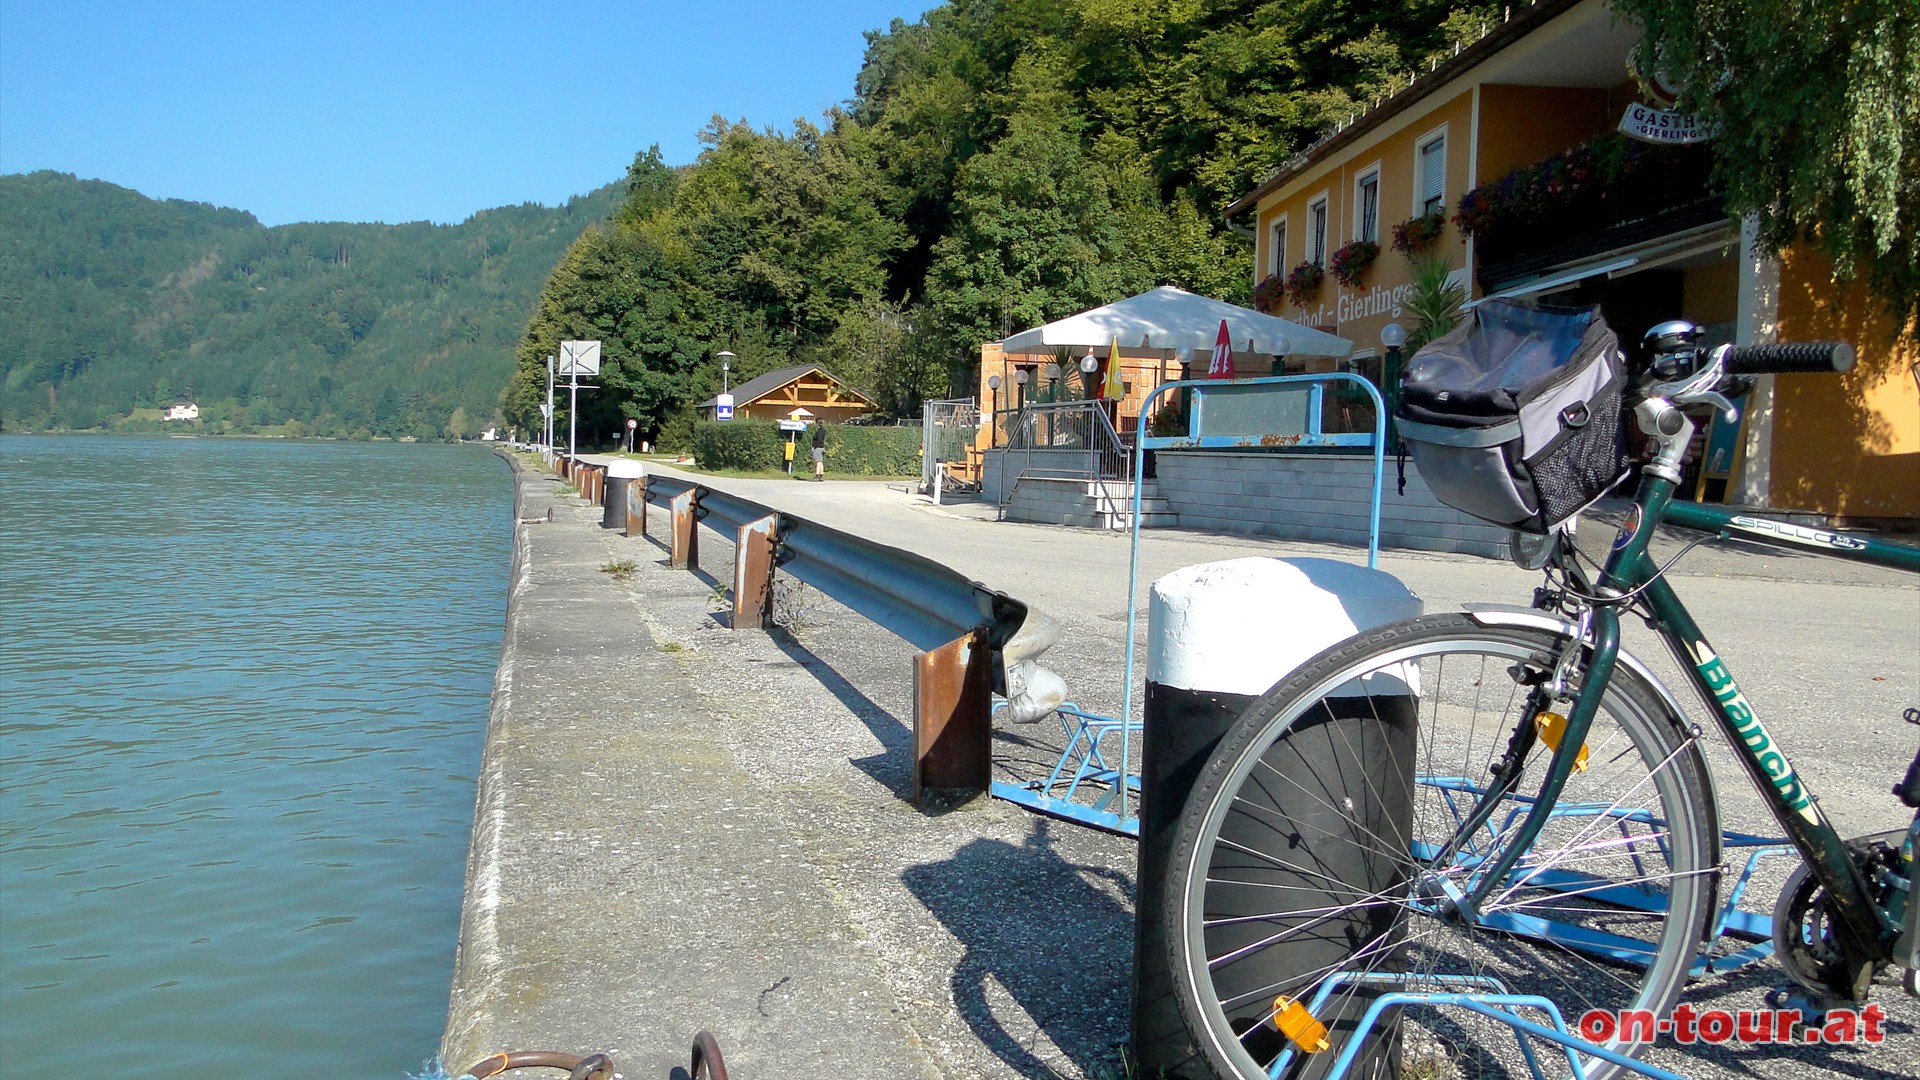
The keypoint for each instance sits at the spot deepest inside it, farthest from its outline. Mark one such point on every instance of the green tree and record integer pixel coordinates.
(1818, 103)
(1034, 234)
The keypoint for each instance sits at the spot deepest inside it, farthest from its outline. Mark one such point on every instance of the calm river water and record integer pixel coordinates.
(243, 690)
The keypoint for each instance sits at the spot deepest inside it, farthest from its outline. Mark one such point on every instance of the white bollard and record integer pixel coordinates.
(1219, 636)
(619, 471)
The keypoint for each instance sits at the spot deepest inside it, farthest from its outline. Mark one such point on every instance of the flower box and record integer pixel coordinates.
(1417, 234)
(1268, 294)
(1303, 283)
(1349, 263)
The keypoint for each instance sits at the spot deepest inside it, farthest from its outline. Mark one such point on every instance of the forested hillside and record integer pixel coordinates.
(113, 305)
(999, 163)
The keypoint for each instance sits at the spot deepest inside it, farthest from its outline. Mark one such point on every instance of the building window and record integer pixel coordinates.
(1433, 175)
(1277, 249)
(1317, 231)
(1366, 207)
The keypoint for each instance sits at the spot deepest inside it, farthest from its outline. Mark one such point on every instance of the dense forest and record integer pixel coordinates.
(116, 305)
(1000, 163)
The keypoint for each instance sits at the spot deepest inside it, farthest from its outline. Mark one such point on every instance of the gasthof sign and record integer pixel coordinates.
(1648, 124)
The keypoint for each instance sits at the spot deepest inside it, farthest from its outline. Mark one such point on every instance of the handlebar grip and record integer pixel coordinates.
(1797, 356)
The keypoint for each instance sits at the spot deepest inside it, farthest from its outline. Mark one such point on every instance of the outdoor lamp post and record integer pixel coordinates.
(1021, 376)
(1281, 347)
(726, 368)
(1051, 373)
(1089, 364)
(993, 433)
(1392, 337)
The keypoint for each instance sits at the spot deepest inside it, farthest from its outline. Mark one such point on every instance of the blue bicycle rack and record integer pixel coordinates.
(1730, 921)
(1082, 787)
(1481, 995)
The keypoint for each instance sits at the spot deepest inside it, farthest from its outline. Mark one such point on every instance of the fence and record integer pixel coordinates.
(947, 431)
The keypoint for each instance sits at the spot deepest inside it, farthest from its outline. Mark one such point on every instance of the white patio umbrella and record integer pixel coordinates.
(1170, 318)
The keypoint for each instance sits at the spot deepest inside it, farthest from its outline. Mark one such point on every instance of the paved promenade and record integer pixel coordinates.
(683, 827)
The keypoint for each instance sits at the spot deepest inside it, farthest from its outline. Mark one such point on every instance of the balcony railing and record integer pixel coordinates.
(1609, 193)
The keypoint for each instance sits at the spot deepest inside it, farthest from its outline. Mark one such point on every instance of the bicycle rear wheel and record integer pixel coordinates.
(1321, 856)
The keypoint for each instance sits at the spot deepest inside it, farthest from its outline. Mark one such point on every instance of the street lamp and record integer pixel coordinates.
(1392, 337)
(726, 367)
(548, 411)
(993, 433)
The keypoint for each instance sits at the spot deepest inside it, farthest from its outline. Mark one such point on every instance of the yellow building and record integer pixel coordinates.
(1623, 223)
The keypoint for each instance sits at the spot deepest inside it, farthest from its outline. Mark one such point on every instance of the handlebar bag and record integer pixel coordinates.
(1515, 416)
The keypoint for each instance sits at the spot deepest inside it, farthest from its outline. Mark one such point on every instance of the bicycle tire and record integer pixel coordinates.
(1272, 824)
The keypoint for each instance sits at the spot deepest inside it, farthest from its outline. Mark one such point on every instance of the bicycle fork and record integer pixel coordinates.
(1605, 626)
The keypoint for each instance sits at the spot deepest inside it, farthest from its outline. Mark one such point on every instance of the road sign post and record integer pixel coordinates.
(577, 358)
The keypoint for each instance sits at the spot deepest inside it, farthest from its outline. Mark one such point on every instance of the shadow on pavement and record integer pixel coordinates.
(893, 765)
(1035, 924)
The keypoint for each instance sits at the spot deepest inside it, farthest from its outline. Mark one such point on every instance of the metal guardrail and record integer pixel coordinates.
(920, 600)
(969, 634)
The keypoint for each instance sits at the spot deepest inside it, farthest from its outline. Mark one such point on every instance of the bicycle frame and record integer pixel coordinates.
(1631, 577)
(1793, 804)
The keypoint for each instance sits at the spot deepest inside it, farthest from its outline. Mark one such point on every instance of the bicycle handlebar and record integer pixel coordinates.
(1797, 356)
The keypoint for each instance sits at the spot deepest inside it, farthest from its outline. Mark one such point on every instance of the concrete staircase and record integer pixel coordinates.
(1096, 504)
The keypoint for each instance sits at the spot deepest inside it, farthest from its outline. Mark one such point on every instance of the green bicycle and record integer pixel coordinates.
(1505, 801)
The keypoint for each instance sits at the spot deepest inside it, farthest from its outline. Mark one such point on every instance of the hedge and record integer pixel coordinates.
(754, 446)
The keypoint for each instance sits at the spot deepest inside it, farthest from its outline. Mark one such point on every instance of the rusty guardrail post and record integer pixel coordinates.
(637, 506)
(686, 530)
(952, 716)
(596, 482)
(753, 572)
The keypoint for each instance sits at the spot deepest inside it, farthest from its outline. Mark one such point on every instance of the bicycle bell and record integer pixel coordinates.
(1671, 344)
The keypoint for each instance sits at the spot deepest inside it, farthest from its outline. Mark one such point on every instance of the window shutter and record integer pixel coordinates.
(1433, 177)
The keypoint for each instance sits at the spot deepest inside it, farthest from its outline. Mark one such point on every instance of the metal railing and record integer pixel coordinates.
(1066, 440)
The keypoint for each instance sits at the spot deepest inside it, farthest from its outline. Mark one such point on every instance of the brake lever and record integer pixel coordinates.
(1700, 387)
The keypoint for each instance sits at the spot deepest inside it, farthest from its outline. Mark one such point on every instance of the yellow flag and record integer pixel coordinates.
(1113, 388)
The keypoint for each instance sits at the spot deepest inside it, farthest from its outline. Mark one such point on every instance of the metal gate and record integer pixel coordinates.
(947, 432)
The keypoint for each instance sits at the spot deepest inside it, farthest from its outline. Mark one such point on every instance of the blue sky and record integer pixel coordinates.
(343, 110)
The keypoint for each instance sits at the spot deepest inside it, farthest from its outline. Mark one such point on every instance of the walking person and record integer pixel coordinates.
(820, 451)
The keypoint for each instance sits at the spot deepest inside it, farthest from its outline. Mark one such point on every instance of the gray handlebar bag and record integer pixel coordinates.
(1516, 416)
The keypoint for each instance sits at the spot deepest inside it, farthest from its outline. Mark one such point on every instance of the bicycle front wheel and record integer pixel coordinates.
(1336, 849)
